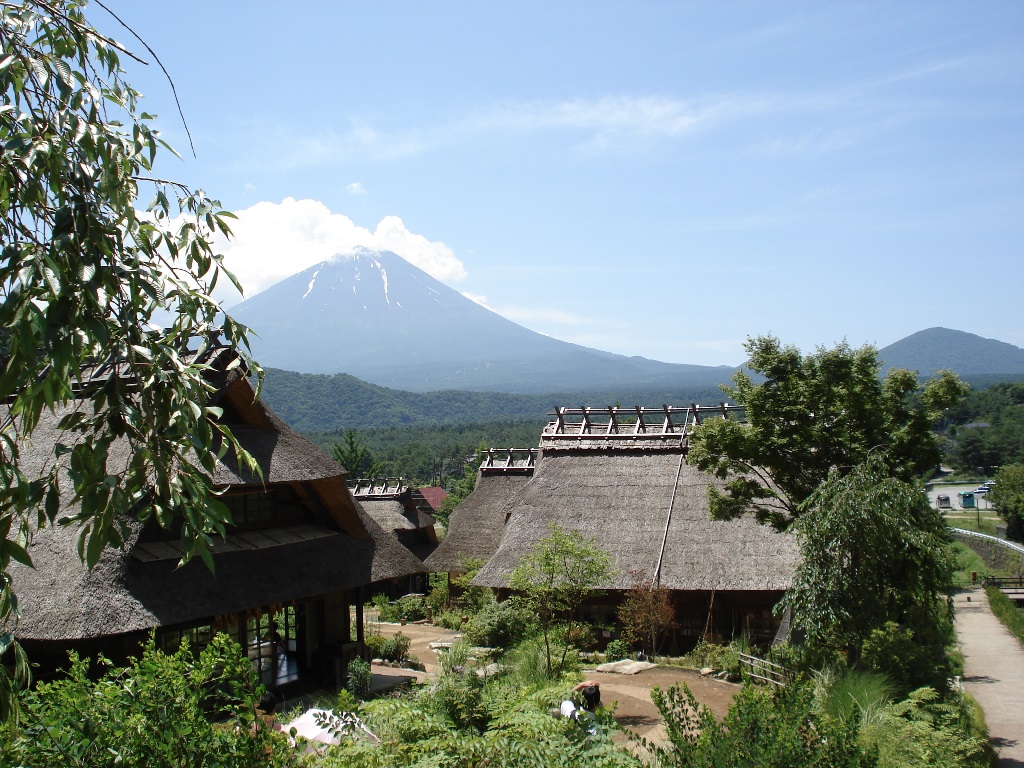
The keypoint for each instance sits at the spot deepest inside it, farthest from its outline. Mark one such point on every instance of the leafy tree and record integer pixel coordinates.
(556, 576)
(986, 430)
(354, 456)
(875, 570)
(88, 284)
(646, 613)
(813, 415)
(1008, 497)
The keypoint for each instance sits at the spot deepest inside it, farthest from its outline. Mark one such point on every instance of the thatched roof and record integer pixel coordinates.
(476, 525)
(395, 515)
(393, 505)
(649, 509)
(339, 547)
(62, 600)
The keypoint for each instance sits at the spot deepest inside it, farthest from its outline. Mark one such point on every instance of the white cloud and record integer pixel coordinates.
(273, 241)
(543, 315)
(355, 188)
(479, 299)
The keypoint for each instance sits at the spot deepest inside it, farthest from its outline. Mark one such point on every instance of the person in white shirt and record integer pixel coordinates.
(590, 699)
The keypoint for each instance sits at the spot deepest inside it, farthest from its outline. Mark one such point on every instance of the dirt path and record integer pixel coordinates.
(993, 673)
(632, 693)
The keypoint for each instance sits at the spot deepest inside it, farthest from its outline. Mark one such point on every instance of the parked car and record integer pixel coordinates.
(981, 490)
(942, 501)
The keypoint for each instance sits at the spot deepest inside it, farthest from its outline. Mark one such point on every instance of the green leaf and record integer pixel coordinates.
(16, 552)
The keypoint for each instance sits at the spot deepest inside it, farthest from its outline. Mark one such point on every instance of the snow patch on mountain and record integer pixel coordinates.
(309, 288)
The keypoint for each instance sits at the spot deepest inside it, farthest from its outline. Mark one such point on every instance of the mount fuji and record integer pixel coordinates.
(377, 317)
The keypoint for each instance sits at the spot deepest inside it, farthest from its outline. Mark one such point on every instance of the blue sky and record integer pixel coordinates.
(650, 178)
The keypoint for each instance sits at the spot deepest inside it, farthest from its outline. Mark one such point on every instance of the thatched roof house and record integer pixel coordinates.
(476, 525)
(301, 552)
(404, 512)
(620, 478)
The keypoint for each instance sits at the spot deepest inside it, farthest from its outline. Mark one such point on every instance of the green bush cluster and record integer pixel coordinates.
(458, 696)
(448, 620)
(617, 649)
(911, 659)
(439, 594)
(721, 658)
(394, 648)
(500, 624)
(764, 728)
(359, 678)
(408, 608)
(161, 710)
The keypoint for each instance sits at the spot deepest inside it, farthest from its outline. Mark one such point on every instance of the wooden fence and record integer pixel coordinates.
(1004, 581)
(764, 671)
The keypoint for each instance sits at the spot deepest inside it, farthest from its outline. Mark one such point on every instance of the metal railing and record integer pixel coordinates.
(1003, 542)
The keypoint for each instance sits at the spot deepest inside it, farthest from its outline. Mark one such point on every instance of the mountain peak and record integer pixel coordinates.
(935, 349)
(374, 315)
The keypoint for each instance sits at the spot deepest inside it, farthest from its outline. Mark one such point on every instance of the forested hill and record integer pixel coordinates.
(967, 354)
(322, 403)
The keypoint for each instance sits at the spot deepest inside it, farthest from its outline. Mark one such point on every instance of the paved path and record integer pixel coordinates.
(993, 674)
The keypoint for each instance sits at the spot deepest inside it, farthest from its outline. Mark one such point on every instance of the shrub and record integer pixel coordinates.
(395, 648)
(453, 658)
(499, 624)
(458, 696)
(152, 712)
(439, 594)
(924, 730)
(908, 658)
(359, 678)
(374, 644)
(617, 649)
(448, 620)
(526, 664)
(411, 608)
(470, 597)
(408, 608)
(387, 611)
(842, 693)
(723, 658)
(574, 635)
(764, 728)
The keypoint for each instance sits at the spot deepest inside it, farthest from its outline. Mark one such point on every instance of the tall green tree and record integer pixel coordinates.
(1008, 498)
(353, 454)
(556, 576)
(876, 568)
(807, 416)
(89, 283)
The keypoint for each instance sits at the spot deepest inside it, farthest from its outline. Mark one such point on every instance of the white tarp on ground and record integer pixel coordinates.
(306, 725)
(625, 667)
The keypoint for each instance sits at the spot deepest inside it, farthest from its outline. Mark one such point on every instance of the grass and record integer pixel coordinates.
(980, 520)
(1007, 612)
(967, 562)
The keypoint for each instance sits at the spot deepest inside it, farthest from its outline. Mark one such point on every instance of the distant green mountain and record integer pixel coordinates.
(964, 353)
(326, 403)
(323, 403)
